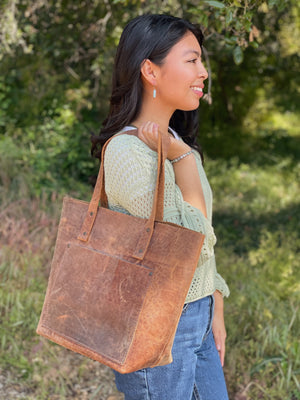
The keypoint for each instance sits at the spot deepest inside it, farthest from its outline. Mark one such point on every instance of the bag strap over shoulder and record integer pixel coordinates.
(99, 195)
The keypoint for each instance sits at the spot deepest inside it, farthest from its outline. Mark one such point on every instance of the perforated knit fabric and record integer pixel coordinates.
(130, 176)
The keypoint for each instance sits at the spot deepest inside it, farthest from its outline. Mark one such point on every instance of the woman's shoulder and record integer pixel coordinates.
(122, 139)
(127, 157)
(123, 143)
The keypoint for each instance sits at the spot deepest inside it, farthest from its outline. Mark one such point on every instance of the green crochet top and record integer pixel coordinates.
(130, 176)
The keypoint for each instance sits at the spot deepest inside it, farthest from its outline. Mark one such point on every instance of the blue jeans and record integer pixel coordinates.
(195, 373)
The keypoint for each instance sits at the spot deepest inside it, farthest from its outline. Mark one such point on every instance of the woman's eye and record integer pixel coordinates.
(193, 60)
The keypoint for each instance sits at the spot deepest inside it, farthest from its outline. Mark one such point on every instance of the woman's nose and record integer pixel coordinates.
(202, 72)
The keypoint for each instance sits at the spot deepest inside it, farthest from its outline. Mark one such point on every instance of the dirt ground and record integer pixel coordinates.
(95, 383)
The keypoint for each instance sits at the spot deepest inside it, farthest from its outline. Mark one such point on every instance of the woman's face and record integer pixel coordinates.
(180, 79)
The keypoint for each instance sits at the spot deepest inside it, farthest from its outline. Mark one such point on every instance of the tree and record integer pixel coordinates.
(56, 59)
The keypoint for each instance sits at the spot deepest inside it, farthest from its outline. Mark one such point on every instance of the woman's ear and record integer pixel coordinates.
(149, 71)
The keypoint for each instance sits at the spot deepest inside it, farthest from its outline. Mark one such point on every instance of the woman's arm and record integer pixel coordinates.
(186, 172)
(218, 325)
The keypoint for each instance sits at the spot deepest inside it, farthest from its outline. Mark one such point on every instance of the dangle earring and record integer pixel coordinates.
(154, 93)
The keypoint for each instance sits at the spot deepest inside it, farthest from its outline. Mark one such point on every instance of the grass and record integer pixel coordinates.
(257, 222)
(257, 225)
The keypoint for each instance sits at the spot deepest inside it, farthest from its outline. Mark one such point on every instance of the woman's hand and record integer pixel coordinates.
(218, 325)
(148, 133)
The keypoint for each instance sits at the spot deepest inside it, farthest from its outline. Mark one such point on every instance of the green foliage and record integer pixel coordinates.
(257, 225)
(216, 4)
(238, 55)
(255, 176)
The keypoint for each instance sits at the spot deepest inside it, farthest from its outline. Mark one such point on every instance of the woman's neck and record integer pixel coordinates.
(152, 110)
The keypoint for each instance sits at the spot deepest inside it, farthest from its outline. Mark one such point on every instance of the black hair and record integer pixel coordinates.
(150, 36)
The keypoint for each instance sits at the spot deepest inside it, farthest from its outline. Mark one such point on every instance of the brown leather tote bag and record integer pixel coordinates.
(118, 283)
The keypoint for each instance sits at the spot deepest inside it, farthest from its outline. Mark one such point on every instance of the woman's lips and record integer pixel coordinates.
(197, 90)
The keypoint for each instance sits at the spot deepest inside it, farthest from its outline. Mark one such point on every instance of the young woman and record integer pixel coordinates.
(158, 81)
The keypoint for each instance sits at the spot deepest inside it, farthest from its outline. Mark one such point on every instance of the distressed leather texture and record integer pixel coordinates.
(118, 283)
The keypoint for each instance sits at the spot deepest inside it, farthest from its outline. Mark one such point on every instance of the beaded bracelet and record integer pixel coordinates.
(181, 157)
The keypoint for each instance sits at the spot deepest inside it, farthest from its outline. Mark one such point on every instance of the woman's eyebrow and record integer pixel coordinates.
(192, 51)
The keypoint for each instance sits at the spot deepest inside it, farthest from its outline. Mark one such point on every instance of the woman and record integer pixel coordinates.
(158, 81)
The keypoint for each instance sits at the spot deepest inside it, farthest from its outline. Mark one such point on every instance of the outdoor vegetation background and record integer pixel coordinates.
(55, 72)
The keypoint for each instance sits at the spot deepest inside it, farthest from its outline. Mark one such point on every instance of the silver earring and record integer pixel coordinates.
(154, 93)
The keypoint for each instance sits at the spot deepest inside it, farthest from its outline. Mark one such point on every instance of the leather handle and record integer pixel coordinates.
(158, 200)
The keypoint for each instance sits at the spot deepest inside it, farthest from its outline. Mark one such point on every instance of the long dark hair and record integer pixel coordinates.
(149, 36)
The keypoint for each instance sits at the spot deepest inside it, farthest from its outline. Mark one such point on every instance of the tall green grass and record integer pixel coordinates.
(257, 223)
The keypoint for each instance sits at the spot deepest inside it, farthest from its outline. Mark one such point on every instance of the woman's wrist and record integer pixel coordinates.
(177, 159)
(177, 149)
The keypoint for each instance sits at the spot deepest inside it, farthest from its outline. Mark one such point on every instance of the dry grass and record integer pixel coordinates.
(30, 366)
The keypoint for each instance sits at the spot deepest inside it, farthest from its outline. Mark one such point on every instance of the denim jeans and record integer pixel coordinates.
(195, 373)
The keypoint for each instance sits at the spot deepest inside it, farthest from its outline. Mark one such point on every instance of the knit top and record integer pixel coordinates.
(130, 177)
